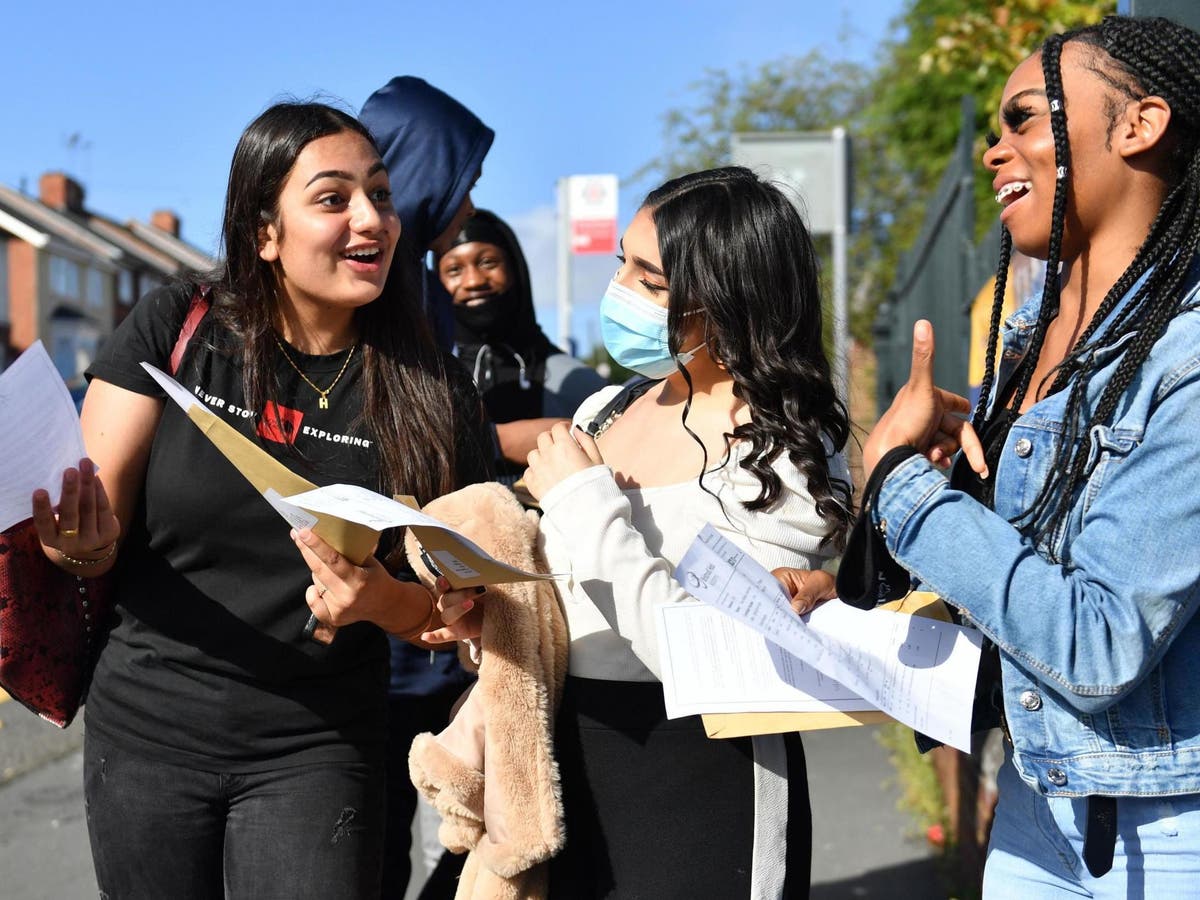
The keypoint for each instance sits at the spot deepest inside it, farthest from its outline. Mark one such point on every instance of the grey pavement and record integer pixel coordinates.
(863, 847)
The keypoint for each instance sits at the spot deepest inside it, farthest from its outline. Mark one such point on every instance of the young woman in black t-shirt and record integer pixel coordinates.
(226, 753)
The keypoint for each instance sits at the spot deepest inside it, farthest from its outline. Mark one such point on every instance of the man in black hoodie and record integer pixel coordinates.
(433, 148)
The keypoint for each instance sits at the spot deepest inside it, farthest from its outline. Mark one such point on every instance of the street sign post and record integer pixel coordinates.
(816, 167)
(587, 224)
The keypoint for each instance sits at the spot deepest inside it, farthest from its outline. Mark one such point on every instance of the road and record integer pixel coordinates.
(863, 847)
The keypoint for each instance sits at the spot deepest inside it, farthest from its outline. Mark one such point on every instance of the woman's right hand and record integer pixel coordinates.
(82, 535)
(924, 416)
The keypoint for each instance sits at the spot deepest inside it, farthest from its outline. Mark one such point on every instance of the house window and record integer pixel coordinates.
(95, 287)
(125, 293)
(73, 344)
(64, 277)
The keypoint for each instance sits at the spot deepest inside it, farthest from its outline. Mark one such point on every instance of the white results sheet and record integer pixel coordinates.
(920, 671)
(39, 433)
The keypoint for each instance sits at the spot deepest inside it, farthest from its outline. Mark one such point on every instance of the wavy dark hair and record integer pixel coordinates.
(735, 249)
(1136, 58)
(399, 357)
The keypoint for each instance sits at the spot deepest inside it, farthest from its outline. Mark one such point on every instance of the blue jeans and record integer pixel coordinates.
(159, 830)
(1036, 848)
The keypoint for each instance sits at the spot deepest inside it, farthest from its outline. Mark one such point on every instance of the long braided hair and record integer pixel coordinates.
(1137, 57)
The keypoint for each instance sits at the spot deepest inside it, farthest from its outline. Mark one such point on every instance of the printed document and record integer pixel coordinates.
(712, 663)
(39, 433)
(917, 670)
(358, 504)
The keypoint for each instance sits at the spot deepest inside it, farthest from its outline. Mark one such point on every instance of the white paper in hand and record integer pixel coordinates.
(39, 433)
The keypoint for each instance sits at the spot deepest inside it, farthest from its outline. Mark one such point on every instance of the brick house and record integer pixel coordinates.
(69, 275)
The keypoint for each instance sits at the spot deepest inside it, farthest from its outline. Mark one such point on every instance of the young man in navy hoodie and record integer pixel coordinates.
(433, 148)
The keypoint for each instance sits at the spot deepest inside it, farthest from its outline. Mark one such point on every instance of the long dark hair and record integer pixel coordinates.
(1136, 57)
(399, 358)
(734, 248)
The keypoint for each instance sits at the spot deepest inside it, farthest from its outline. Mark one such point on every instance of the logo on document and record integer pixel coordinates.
(279, 423)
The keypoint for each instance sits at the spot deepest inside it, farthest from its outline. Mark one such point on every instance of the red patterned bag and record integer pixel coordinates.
(50, 619)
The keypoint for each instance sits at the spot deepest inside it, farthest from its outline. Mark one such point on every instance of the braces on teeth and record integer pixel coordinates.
(1011, 188)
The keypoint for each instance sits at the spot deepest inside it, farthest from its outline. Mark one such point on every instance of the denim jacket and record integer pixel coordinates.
(1099, 644)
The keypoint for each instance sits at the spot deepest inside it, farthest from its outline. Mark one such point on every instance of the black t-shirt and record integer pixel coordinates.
(206, 660)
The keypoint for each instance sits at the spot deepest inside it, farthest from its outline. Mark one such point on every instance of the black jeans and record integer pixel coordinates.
(158, 830)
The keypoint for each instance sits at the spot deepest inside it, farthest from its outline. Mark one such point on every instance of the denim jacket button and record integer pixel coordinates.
(1056, 777)
(1031, 701)
(1023, 447)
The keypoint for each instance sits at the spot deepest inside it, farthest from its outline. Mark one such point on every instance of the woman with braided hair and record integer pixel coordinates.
(1074, 508)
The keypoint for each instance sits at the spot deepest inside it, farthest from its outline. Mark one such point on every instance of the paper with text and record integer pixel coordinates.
(917, 670)
(295, 516)
(39, 433)
(463, 556)
(713, 663)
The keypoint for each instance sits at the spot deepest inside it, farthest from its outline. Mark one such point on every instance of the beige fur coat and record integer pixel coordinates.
(491, 773)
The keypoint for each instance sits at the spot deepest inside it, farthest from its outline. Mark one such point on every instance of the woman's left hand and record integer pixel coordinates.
(461, 613)
(561, 452)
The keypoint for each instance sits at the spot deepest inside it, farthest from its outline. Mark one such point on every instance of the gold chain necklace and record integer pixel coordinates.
(323, 403)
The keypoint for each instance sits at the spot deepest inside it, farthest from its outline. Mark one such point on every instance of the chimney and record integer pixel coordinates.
(165, 220)
(61, 191)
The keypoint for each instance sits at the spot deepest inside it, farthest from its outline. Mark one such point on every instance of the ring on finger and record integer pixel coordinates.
(68, 532)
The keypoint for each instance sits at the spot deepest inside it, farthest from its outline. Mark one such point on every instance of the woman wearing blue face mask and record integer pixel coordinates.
(738, 425)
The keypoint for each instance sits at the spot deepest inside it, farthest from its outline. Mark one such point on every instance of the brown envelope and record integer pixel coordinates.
(730, 725)
(472, 569)
(352, 540)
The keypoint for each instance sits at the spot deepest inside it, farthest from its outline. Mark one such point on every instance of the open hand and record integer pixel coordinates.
(85, 528)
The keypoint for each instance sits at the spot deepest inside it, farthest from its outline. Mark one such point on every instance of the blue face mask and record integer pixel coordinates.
(635, 333)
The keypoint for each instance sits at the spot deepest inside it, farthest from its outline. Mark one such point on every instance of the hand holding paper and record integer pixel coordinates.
(39, 433)
(343, 593)
(919, 671)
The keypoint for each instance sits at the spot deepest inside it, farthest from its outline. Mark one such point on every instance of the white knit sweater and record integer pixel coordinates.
(620, 547)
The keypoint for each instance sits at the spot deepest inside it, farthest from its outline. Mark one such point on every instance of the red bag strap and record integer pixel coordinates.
(196, 311)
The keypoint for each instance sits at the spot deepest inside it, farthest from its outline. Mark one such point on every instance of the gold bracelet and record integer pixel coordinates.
(424, 627)
(89, 562)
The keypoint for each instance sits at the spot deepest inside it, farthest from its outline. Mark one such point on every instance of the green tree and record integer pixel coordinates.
(940, 51)
(805, 93)
(902, 113)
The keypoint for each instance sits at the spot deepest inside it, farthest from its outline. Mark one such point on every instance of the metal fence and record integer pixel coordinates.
(938, 279)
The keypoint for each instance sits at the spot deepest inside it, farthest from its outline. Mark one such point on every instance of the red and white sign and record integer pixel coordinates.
(592, 212)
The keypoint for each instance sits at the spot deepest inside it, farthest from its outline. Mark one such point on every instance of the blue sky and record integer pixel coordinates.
(157, 93)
